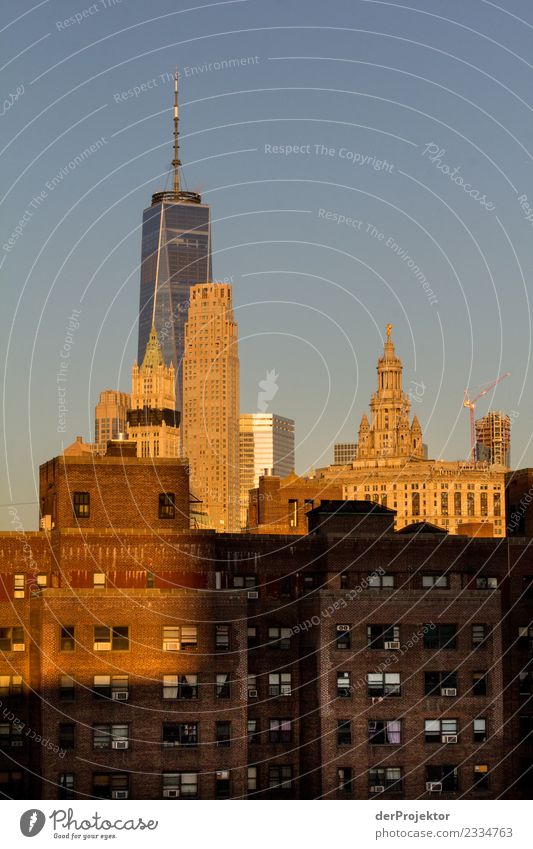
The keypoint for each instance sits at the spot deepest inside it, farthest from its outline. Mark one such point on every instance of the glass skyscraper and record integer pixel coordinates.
(175, 255)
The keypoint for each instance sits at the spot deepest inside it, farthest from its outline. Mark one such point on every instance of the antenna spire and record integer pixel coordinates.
(176, 161)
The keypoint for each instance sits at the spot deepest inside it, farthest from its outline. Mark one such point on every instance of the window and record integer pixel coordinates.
(252, 637)
(12, 639)
(223, 736)
(343, 640)
(66, 688)
(109, 686)
(390, 778)
(11, 735)
(497, 504)
(525, 683)
(99, 580)
(221, 637)
(457, 506)
(480, 730)
(485, 583)
(470, 504)
(252, 779)
(525, 724)
(380, 582)
(525, 637)
(180, 638)
(66, 785)
(440, 636)
(111, 639)
(104, 736)
(252, 686)
(180, 734)
(444, 503)
(253, 731)
(479, 684)
(10, 686)
(344, 779)
(446, 775)
(440, 683)
(11, 785)
(280, 777)
(379, 635)
(293, 512)
(384, 732)
(383, 684)
(110, 785)
(481, 777)
(244, 582)
(19, 586)
(66, 736)
(222, 685)
(415, 504)
(180, 785)
(440, 582)
(81, 503)
(479, 634)
(279, 638)
(344, 732)
(167, 508)
(279, 684)
(222, 784)
(436, 730)
(344, 685)
(66, 638)
(279, 731)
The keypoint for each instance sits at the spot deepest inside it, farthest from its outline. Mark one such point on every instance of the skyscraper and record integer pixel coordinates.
(110, 417)
(210, 420)
(266, 447)
(493, 439)
(153, 421)
(176, 254)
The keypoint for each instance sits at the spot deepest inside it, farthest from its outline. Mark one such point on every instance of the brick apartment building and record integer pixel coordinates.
(140, 659)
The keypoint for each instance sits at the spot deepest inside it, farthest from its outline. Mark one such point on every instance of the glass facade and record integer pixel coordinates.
(176, 254)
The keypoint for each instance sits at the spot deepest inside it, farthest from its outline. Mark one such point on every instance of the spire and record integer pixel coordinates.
(153, 356)
(176, 164)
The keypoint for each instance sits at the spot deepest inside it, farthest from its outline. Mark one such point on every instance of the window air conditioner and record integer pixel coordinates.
(119, 794)
(120, 695)
(102, 646)
(377, 788)
(449, 738)
(171, 645)
(448, 691)
(253, 594)
(434, 786)
(18, 647)
(171, 793)
(392, 645)
(119, 744)
(252, 694)
(341, 628)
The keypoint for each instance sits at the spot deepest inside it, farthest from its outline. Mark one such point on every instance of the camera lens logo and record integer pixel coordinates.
(32, 822)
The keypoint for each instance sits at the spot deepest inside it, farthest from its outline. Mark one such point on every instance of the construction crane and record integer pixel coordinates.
(471, 404)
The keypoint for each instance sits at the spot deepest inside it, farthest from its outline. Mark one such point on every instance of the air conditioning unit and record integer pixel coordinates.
(393, 645)
(17, 743)
(377, 788)
(46, 522)
(448, 691)
(18, 647)
(102, 646)
(449, 738)
(252, 594)
(120, 695)
(119, 744)
(171, 793)
(120, 794)
(434, 786)
(285, 690)
(172, 645)
(252, 694)
(343, 627)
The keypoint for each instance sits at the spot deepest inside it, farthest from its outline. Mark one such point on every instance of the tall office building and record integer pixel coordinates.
(110, 418)
(493, 439)
(176, 254)
(210, 420)
(153, 421)
(266, 447)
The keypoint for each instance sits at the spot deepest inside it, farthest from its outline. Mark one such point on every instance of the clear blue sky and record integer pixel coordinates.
(383, 102)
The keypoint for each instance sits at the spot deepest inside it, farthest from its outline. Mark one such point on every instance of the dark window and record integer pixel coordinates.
(389, 778)
(485, 583)
(344, 732)
(279, 731)
(167, 509)
(279, 638)
(436, 683)
(446, 775)
(479, 684)
(66, 736)
(344, 779)
(12, 639)
(11, 784)
(253, 731)
(379, 635)
(280, 777)
(223, 733)
(343, 637)
(252, 637)
(384, 732)
(222, 686)
(110, 736)
(525, 724)
(440, 636)
(66, 785)
(67, 641)
(344, 686)
(222, 784)
(439, 582)
(480, 730)
(110, 785)
(435, 730)
(11, 734)
(111, 639)
(66, 688)
(382, 684)
(525, 683)
(221, 637)
(180, 734)
(479, 634)
(81, 502)
(481, 774)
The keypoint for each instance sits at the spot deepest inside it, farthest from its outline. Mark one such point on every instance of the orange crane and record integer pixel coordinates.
(471, 404)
